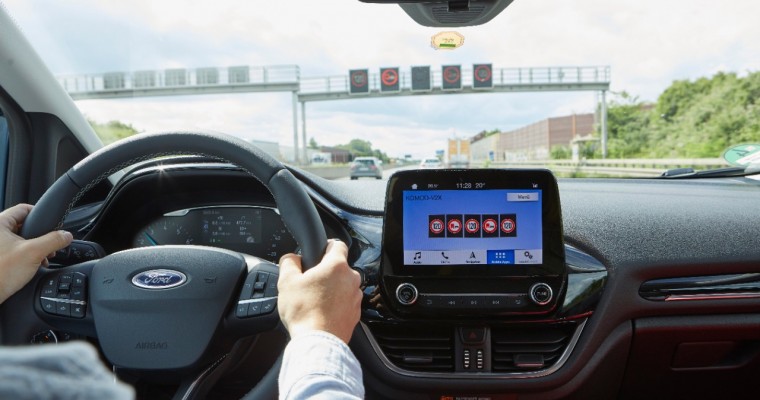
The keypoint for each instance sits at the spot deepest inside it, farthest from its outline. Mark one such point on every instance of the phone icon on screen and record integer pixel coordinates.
(443, 254)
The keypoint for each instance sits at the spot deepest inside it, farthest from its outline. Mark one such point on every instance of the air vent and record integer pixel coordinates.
(417, 348)
(443, 15)
(525, 349)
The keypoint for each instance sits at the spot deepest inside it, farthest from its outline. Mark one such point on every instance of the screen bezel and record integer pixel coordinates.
(447, 179)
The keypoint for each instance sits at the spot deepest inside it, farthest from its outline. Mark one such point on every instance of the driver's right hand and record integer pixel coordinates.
(326, 297)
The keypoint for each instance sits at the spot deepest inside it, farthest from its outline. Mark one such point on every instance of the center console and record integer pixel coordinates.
(470, 243)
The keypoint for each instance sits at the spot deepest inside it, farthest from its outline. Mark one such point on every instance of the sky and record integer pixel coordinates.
(647, 44)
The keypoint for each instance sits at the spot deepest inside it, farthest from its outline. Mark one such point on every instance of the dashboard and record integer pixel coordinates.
(655, 285)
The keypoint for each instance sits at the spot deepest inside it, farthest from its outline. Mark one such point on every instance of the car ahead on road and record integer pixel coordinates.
(370, 167)
(657, 297)
(431, 163)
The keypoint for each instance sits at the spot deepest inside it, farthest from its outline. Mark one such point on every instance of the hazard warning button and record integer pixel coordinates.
(472, 335)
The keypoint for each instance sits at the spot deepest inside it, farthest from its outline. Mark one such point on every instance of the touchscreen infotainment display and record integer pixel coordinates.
(472, 227)
(478, 222)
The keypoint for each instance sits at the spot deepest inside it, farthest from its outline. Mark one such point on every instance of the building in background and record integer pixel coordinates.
(339, 156)
(533, 142)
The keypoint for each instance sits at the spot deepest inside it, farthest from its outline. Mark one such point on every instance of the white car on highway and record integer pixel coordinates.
(431, 163)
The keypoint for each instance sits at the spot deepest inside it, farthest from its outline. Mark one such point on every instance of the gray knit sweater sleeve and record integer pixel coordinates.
(65, 371)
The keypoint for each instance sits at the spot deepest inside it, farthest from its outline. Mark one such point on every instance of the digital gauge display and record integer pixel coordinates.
(257, 231)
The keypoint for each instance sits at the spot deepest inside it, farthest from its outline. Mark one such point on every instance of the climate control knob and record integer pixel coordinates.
(406, 294)
(541, 294)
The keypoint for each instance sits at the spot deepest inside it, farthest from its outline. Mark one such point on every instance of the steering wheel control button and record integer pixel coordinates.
(77, 293)
(242, 310)
(254, 309)
(406, 294)
(260, 285)
(48, 306)
(63, 309)
(247, 291)
(77, 311)
(541, 294)
(49, 292)
(271, 289)
(267, 306)
(78, 279)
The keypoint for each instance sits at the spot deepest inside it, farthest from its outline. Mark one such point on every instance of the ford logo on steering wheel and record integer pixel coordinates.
(159, 279)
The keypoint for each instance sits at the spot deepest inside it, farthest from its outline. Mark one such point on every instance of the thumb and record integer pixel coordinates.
(40, 247)
(290, 264)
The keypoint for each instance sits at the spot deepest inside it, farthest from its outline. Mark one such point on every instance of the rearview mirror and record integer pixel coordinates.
(449, 13)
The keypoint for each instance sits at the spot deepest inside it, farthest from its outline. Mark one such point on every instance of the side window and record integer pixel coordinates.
(3, 156)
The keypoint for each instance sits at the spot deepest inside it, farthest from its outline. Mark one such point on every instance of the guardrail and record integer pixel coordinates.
(635, 167)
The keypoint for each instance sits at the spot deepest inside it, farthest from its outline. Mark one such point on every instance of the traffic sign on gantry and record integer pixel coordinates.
(421, 79)
(451, 77)
(390, 80)
(358, 81)
(482, 76)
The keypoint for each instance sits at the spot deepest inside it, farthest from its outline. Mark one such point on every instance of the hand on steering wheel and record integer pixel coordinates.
(21, 258)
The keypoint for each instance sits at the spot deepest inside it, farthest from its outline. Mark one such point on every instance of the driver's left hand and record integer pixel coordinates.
(19, 258)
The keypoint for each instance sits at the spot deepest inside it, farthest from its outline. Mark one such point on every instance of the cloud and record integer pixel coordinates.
(647, 43)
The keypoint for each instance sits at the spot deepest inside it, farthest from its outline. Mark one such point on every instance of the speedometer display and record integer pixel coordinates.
(258, 231)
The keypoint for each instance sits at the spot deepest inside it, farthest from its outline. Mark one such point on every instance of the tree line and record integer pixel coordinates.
(690, 119)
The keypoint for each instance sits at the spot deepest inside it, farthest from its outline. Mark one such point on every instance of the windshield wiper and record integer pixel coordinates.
(688, 173)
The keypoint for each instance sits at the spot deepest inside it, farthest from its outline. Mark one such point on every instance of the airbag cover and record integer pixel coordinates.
(156, 324)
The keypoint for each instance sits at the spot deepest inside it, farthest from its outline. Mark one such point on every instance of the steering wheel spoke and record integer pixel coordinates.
(255, 310)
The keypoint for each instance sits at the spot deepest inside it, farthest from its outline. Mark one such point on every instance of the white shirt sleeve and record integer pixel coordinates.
(71, 370)
(318, 365)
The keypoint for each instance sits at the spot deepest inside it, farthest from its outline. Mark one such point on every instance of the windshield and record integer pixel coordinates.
(586, 88)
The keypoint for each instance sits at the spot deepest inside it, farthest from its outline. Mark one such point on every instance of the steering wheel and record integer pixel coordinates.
(167, 308)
